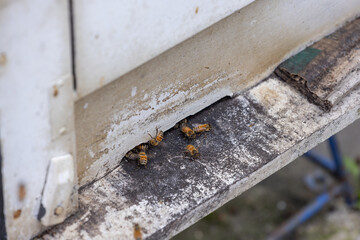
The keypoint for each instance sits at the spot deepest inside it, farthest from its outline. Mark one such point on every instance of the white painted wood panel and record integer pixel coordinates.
(114, 37)
(35, 84)
(228, 57)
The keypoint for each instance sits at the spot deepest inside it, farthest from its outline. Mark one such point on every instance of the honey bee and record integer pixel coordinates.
(202, 128)
(132, 156)
(187, 130)
(143, 159)
(178, 124)
(141, 147)
(157, 139)
(192, 151)
(137, 232)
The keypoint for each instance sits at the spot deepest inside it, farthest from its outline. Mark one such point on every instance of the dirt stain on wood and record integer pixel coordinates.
(21, 192)
(17, 214)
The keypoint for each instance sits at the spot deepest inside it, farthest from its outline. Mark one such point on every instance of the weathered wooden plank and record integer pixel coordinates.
(322, 71)
(36, 106)
(253, 136)
(226, 58)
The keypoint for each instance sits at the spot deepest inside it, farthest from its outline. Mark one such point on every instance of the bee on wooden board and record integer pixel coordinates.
(178, 124)
(187, 130)
(192, 152)
(141, 147)
(140, 156)
(137, 232)
(143, 159)
(202, 128)
(154, 141)
(132, 156)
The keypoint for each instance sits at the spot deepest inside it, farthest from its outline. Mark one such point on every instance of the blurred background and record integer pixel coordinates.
(258, 211)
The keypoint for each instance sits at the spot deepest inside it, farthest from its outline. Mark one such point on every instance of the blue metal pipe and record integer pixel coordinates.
(337, 157)
(335, 167)
(340, 171)
(306, 213)
(321, 160)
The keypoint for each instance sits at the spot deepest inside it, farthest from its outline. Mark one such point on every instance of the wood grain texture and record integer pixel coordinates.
(226, 58)
(36, 105)
(253, 136)
(322, 70)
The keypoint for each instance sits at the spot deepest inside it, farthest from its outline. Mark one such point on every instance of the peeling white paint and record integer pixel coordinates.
(133, 92)
(127, 129)
(91, 153)
(36, 103)
(161, 111)
(196, 200)
(150, 29)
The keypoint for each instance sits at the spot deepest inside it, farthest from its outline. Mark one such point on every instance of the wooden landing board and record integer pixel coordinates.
(323, 71)
(254, 135)
(225, 59)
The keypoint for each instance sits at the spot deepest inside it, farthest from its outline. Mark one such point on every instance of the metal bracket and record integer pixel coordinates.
(57, 191)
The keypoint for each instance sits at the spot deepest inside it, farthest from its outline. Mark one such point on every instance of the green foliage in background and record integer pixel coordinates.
(354, 171)
(351, 167)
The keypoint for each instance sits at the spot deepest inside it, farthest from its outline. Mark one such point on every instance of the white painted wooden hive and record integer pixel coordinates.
(82, 83)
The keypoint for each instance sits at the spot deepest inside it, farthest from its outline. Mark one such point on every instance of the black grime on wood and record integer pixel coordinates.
(318, 71)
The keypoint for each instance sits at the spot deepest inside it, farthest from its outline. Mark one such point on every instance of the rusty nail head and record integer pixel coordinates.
(59, 210)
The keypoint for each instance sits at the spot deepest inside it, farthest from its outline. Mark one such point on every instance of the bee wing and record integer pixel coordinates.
(197, 124)
(162, 144)
(132, 156)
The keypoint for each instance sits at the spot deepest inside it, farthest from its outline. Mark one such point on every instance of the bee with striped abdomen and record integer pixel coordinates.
(140, 154)
(143, 159)
(137, 232)
(154, 141)
(202, 128)
(141, 147)
(187, 130)
(192, 152)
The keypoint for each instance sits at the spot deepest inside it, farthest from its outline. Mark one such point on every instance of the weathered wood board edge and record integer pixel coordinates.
(226, 58)
(110, 207)
(321, 71)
